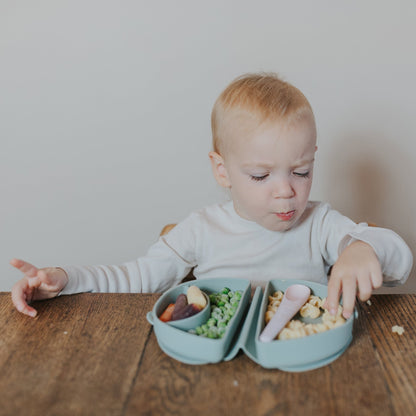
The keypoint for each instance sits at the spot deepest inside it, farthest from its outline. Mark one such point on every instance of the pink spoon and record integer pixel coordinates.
(293, 299)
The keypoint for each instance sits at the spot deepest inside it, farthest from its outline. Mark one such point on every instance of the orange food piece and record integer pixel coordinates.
(167, 313)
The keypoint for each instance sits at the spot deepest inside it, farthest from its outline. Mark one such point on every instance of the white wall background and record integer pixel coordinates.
(105, 114)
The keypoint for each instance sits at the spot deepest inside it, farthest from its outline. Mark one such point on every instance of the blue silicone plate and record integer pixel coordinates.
(243, 332)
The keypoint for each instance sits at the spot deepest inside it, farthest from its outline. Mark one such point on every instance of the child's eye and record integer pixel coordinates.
(302, 174)
(259, 178)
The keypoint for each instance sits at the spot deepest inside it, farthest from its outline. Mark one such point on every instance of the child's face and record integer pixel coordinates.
(269, 172)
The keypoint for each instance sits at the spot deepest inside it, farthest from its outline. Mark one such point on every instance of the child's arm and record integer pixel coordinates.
(363, 258)
(37, 284)
(165, 264)
(356, 270)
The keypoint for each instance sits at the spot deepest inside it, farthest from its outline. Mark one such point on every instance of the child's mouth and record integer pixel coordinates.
(285, 216)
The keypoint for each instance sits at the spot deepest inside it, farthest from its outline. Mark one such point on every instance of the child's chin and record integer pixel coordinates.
(282, 226)
(278, 227)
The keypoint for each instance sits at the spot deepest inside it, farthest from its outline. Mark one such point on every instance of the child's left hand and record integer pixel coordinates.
(357, 269)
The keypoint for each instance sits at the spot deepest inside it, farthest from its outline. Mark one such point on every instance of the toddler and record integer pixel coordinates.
(264, 144)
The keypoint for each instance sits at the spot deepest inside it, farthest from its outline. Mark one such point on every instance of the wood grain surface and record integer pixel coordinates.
(96, 354)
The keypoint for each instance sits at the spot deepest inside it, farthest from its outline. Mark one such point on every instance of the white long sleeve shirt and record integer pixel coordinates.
(217, 242)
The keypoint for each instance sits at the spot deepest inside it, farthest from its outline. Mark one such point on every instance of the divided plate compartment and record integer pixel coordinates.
(190, 348)
(300, 354)
(243, 332)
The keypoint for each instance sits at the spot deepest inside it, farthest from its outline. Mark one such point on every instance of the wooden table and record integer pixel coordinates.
(95, 354)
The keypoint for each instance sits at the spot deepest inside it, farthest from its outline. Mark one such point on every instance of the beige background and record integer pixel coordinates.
(105, 110)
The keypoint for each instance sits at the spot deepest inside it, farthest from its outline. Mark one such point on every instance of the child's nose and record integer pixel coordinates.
(283, 189)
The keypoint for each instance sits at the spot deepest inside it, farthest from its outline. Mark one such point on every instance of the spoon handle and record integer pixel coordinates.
(294, 298)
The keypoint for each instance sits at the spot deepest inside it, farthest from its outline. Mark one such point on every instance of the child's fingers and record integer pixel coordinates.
(19, 299)
(365, 289)
(28, 269)
(377, 279)
(334, 290)
(349, 290)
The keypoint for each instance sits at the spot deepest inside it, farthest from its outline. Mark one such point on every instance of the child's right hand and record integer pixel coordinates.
(37, 284)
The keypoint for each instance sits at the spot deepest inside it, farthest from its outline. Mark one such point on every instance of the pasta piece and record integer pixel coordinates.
(287, 333)
(269, 316)
(397, 329)
(310, 311)
(315, 301)
(333, 321)
(295, 325)
(278, 295)
(275, 303)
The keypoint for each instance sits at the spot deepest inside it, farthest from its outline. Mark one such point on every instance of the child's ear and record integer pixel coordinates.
(219, 170)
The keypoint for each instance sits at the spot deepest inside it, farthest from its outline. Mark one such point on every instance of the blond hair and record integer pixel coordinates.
(260, 97)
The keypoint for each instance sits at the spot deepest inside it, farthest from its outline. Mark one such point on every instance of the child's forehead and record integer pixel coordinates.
(296, 140)
(241, 128)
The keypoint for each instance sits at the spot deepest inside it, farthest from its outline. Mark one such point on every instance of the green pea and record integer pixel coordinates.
(211, 322)
(224, 298)
(213, 332)
(221, 331)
